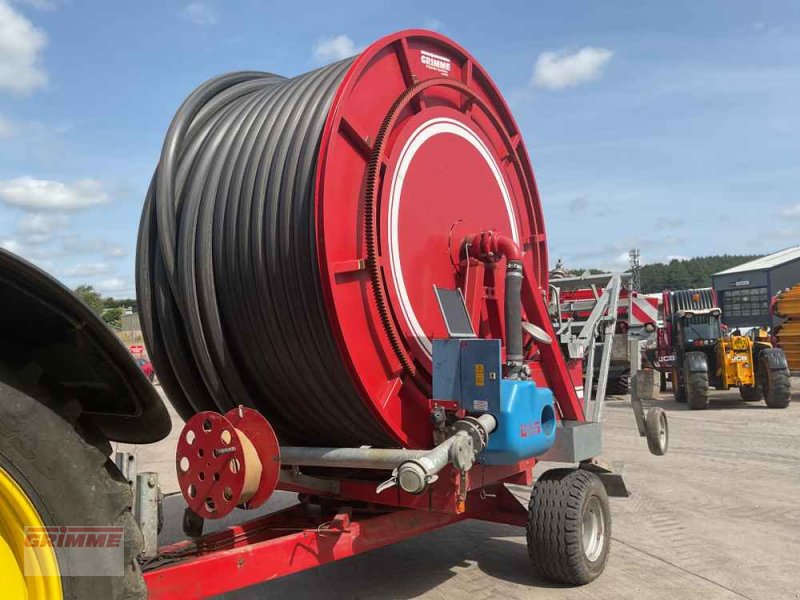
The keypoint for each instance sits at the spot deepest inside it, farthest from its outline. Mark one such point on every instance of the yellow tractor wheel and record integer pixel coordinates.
(55, 472)
(26, 571)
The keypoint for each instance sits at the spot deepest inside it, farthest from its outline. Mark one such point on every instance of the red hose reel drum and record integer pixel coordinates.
(419, 150)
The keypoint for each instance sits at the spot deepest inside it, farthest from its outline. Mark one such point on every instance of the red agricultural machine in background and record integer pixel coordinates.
(572, 300)
(343, 286)
(698, 353)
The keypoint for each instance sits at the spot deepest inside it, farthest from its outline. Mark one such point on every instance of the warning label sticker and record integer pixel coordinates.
(480, 374)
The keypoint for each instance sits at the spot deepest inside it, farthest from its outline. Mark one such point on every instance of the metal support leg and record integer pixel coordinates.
(609, 324)
(634, 352)
(146, 510)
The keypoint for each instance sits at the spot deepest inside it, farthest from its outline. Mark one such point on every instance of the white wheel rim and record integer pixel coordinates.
(593, 529)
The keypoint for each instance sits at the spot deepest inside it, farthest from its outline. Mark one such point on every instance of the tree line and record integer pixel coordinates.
(691, 273)
(678, 274)
(109, 309)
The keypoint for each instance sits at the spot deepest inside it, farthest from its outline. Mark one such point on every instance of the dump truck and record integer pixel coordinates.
(698, 353)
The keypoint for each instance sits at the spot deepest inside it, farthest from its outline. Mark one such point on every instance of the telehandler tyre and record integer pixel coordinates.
(751, 393)
(776, 384)
(696, 386)
(56, 473)
(678, 386)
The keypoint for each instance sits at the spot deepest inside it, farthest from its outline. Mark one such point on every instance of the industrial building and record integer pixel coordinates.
(745, 291)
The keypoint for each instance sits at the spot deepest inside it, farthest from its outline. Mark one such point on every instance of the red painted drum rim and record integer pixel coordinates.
(406, 85)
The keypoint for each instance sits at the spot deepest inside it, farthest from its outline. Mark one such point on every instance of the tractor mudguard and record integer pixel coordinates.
(696, 362)
(776, 359)
(54, 347)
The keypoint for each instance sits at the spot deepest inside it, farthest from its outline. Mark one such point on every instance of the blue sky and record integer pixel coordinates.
(669, 126)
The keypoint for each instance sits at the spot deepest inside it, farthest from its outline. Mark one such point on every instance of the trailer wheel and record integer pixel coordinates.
(657, 430)
(751, 393)
(776, 384)
(678, 387)
(696, 386)
(569, 526)
(51, 475)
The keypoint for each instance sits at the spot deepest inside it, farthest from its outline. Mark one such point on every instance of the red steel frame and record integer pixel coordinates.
(261, 550)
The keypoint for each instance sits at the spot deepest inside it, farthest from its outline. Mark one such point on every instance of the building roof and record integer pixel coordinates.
(766, 262)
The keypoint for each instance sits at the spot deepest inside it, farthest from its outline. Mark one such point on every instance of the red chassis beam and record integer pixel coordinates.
(262, 550)
(441, 496)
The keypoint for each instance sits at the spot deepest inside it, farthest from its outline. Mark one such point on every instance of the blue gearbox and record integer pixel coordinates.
(526, 423)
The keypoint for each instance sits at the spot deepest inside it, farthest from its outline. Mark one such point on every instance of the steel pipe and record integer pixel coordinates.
(412, 469)
(348, 458)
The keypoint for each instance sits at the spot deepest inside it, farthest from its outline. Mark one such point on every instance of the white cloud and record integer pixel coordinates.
(74, 244)
(21, 46)
(623, 259)
(559, 70)
(116, 286)
(335, 48)
(433, 24)
(762, 27)
(87, 270)
(30, 251)
(200, 13)
(14, 246)
(792, 212)
(39, 4)
(7, 128)
(672, 257)
(42, 223)
(41, 194)
(578, 204)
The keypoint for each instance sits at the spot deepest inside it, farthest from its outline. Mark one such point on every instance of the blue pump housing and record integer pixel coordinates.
(526, 423)
(469, 371)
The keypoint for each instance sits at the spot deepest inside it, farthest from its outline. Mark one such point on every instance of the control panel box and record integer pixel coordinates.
(468, 371)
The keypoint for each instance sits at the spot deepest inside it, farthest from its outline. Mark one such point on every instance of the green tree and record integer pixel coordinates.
(112, 317)
(91, 297)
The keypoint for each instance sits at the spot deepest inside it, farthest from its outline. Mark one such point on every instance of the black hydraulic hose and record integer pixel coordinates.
(228, 284)
(513, 314)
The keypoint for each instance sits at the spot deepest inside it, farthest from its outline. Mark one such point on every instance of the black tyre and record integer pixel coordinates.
(620, 384)
(662, 382)
(657, 430)
(569, 526)
(66, 475)
(775, 383)
(678, 387)
(751, 393)
(696, 386)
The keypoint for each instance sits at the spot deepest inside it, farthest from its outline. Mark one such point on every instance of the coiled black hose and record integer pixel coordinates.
(228, 284)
